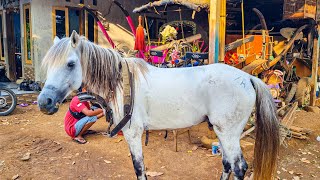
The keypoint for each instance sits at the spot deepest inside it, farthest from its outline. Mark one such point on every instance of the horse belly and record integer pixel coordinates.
(175, 103)
(172, 115)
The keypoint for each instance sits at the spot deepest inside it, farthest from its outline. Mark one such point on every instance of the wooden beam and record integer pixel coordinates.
(195, 6)
(172, 43)
(247, 132)
(288, 118)
(314, 77)
(287, 121)
(222, 33)
(214, 16)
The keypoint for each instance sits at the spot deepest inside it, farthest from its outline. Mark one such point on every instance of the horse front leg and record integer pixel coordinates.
(133, 137)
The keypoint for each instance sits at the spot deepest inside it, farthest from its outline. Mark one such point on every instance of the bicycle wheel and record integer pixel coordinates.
(8, 101)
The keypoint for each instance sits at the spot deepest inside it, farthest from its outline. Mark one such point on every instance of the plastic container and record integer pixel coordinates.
(215, 148)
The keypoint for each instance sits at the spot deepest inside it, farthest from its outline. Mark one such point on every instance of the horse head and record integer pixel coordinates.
(64, 73)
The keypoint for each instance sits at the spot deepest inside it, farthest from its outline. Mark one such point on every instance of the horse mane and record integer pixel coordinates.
(101, 67)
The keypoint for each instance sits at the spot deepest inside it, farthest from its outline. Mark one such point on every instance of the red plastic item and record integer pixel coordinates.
(120, 133)
(231, 58)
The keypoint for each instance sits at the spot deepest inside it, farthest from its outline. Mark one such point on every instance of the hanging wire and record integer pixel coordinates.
(181, 23)
(147, 28)
(156, 11)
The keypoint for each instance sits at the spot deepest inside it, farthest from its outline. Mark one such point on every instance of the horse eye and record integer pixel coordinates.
(71, 64)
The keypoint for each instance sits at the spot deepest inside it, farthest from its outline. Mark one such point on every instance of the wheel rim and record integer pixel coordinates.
(3, 102)
(6, 101)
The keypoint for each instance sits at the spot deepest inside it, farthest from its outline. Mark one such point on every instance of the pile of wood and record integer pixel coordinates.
(287, 129)
(298, 132)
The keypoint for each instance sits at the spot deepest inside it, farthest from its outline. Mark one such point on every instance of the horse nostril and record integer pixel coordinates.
(49, 101)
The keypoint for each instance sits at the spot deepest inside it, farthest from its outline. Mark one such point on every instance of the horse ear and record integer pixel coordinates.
(56, 40)
(74, 38)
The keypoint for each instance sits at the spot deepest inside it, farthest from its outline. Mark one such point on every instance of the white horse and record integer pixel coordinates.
(169, 98)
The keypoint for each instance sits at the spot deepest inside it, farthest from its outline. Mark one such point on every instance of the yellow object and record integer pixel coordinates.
(279, 47)
(207, 143)
(274, 92)
(222, 30)
(169, 32)
(274, 80)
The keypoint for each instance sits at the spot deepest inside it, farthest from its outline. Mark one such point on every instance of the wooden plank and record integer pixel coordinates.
(195, 6)
(238, 43)
(1, 16)
(66, 13)
(300, 137)
(296, 134)
(25, 7)
(186, 40)
(175, 141)
(287, 121)
(288, 118)
(296, 129)
(247, 132)
(314, 76)
(214, 31)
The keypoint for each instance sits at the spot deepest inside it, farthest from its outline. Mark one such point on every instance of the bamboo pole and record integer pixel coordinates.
(214, 31)
(222, 34)
(314, 77)
(242, 20)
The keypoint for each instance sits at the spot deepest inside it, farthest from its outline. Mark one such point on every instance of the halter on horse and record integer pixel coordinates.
(168, 98)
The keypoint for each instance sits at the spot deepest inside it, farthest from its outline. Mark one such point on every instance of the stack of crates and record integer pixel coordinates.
(296, 9)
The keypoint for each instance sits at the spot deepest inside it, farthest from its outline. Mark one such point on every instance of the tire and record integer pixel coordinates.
(13, 104)
(303, 92)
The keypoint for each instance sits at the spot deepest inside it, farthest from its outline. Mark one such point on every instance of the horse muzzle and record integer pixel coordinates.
(48, 102)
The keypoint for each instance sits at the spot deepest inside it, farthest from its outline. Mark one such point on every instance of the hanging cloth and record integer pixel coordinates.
(139, 42)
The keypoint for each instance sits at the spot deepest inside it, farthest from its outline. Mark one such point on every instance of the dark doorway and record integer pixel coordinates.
(14, 45)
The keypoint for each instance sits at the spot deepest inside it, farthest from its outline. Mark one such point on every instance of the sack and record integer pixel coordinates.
(24, 85)
(35, 86)
(29, 85)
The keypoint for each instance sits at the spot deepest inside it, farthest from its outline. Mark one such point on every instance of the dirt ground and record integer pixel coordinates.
(53, 155)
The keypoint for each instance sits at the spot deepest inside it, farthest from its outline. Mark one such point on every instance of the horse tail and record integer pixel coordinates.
(267, 133)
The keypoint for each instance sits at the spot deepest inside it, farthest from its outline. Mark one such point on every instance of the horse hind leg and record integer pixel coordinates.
(232, 158)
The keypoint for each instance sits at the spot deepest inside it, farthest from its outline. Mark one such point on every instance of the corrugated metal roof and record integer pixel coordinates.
(192, 4)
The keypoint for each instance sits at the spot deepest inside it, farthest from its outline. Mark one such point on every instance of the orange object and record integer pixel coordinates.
(120, 133)
(139, 42)
(231, 58)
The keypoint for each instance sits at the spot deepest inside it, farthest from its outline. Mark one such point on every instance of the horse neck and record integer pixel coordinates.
(100, 66)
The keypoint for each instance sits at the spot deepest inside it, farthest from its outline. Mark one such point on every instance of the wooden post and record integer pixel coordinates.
(175, 140)
(214, 31)
(315, 59)
(222, 33)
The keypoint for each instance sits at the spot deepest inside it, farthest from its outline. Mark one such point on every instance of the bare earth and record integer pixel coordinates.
(55, 156)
